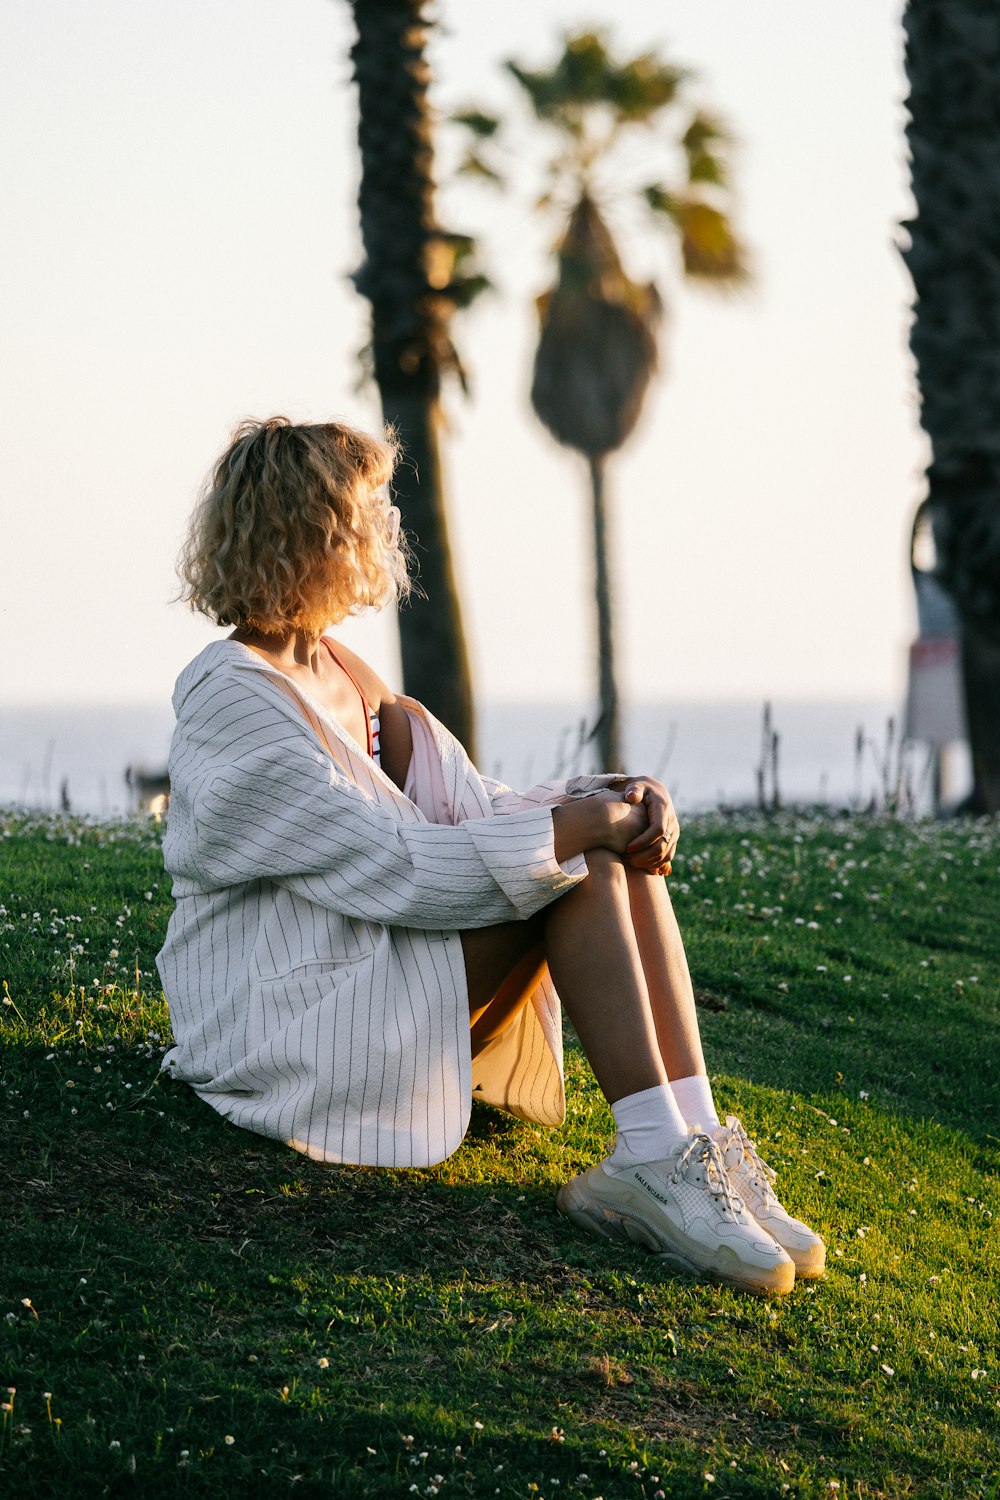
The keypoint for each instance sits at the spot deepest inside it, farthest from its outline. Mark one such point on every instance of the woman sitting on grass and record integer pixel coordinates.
(368, 933)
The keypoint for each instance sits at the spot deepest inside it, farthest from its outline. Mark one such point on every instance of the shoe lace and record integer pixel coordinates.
(703, 1151)
(765, 1175)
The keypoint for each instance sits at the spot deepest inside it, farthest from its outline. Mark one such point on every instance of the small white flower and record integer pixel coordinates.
(323, 1363)
(887, 1369)
(230, 1440)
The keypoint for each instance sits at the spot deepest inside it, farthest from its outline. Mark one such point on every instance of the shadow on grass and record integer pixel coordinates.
(199, 1276)
(919, 1062)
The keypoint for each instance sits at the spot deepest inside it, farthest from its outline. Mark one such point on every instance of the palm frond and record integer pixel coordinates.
(662, 201)
(586, 76)
(481, 125)
(710, 248)
(709, 169)
(639, 89)
(473, 165)
(704, 131)
(704, 143)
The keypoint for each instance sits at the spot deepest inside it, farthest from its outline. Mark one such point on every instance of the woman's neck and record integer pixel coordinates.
(286, 648)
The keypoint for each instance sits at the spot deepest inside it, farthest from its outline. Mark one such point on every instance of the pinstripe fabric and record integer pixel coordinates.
(312, 966)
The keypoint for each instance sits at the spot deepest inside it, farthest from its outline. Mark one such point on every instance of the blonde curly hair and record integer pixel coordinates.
(295, 529)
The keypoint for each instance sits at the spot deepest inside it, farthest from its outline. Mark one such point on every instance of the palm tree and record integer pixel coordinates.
(598, 329)
(953, 66)
(415, 275)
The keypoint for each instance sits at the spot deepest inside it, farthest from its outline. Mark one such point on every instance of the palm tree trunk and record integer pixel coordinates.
(981, 670)
(432, 642)
(608, 732)
(954, 138)
(410, 341)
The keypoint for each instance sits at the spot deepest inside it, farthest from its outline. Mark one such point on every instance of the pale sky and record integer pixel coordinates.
(179, 189)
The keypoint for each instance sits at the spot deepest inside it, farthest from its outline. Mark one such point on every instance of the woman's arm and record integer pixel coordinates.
(302, 825)
(257, 798)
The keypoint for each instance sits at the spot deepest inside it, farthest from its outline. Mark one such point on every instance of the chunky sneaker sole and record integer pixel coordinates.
(683, 1214)
(753, 1180)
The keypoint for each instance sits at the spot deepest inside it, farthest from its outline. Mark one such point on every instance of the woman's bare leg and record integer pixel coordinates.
(595, 963)
(616, 957)
(668, 979)
(593, 956)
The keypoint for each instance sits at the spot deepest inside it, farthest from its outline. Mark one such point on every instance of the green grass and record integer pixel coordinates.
(170, 1283)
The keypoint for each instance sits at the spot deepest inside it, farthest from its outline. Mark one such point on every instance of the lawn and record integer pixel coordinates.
(189, 1310)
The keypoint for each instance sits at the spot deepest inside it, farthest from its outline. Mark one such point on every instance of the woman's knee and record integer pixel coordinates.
(603, 865)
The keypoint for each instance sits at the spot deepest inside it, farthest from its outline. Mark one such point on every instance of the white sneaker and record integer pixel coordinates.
(684, 1209)
(752, 1178)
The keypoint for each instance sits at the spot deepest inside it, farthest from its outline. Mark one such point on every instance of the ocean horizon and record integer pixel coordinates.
(708, 753)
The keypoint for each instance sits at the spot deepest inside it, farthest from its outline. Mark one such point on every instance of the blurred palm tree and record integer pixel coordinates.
(953, 65)
(415, 275)
(608, 119)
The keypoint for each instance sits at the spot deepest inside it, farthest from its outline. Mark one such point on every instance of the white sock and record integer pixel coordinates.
(649, 1127)
(694, 1100)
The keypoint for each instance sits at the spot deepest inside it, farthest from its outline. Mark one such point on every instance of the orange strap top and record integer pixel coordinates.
(371, 717)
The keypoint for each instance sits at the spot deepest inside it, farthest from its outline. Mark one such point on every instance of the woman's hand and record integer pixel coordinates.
(602, 821)
(653, 849)
(638, 823)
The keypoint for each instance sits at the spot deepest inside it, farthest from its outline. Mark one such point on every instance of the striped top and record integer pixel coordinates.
(312, 965)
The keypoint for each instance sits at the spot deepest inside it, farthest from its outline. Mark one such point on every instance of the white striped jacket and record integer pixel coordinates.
(312, 965)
